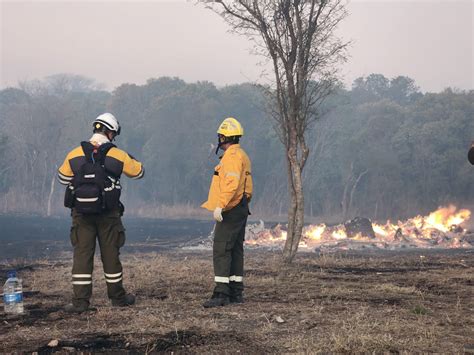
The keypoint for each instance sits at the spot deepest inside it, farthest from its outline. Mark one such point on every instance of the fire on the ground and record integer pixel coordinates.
(443, 228)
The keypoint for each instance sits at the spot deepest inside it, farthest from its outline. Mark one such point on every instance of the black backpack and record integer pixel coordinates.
(92, 190)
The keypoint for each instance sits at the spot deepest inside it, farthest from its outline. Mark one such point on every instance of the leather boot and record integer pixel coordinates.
(217, 300)
(126, 301)
(78, 308)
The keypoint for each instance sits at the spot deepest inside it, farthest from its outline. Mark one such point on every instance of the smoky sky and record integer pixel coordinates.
(118, 42)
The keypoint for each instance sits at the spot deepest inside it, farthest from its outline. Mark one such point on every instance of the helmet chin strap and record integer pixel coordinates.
(112, 134)
(219, 144)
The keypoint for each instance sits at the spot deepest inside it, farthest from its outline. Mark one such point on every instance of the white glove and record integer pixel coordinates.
(218, 214)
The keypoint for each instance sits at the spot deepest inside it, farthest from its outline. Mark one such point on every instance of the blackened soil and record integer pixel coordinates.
(35, 314)
(93, 343)
(179, 341)
(34, 237)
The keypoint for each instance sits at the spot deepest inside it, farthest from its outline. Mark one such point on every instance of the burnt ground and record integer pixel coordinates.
(37, 237)
(415, 301)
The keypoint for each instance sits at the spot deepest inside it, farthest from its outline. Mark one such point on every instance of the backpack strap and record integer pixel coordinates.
(103, 150)
(96, 154)
(88, 149)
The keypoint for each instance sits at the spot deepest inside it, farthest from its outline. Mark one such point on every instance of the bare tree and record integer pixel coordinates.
(298, 37)
(352, 182)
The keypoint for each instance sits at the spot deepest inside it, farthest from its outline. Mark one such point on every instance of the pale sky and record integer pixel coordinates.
(131, 41)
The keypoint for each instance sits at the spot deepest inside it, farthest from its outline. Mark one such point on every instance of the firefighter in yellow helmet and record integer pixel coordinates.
(229, 197)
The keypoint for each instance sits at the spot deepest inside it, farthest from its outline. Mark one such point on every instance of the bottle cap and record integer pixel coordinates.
(11, 274)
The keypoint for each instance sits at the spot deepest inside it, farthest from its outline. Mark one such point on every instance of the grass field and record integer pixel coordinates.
(408, 302)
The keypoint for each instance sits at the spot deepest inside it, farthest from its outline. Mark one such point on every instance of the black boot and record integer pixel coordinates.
(78, 308)
(127, 300)
(237, 298)
(217, 300)
(236, 292)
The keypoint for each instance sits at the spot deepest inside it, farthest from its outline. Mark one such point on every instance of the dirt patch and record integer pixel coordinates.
(35, 314)
(103, 343)
(339, 303)
(262, 273)
(185, 340)
(384, 301)
(179, 341)
(361, 270)
(158, 294)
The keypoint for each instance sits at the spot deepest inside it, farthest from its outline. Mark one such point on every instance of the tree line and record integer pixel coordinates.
(383, 149)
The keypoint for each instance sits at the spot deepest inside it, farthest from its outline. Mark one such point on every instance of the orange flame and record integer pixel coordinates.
(441, 228)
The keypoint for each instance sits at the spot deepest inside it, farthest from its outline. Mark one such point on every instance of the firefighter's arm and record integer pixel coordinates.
(132, 167)
(470, 155)
(229, 177)
(65, 173)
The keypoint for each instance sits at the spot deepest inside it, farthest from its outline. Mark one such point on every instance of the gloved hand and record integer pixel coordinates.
(218, 214)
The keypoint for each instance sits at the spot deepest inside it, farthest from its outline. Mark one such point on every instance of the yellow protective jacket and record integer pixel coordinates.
(116, 162)
(232, 178)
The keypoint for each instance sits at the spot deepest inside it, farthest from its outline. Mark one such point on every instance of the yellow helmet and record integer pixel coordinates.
(230, 127)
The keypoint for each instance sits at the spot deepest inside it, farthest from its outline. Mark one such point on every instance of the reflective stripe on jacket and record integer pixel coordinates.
(232, 176)
(116, 162)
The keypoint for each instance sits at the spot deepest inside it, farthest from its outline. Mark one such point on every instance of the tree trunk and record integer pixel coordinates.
(296, 209)
(345, 194)
(291, 215)
(354, 187)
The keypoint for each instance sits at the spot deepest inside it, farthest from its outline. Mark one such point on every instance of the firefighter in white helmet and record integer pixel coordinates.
(92, 174)
(229, 196)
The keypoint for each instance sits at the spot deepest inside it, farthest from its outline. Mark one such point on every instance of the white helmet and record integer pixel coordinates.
(108, 121)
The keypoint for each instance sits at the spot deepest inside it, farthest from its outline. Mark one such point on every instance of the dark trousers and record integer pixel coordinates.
(109, 231)
(228, 250)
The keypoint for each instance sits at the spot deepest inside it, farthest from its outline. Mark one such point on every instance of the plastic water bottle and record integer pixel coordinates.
(13, 294)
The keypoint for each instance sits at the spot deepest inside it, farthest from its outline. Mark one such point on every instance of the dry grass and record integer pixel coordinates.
(338, 303)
